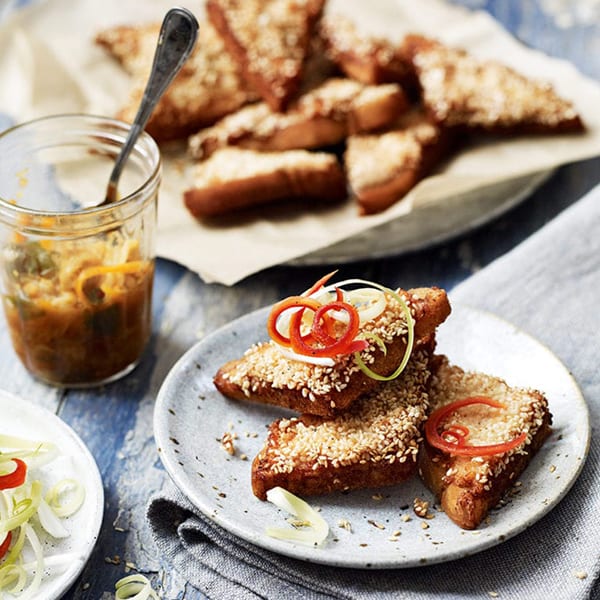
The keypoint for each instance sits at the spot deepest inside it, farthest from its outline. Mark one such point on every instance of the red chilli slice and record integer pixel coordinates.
(321, 340)
(320, 283)
(5, 545)
(459, 432)
(279, 308)
(345, 344)
(14, 478)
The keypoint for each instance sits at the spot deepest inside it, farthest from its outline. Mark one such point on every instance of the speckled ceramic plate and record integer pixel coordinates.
(27, 420)
(191, 416)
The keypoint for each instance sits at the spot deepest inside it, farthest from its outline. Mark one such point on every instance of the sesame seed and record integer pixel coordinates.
(379, 426)
(524, 411)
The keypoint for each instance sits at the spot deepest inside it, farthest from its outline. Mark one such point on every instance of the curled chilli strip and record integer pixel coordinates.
(453, 439)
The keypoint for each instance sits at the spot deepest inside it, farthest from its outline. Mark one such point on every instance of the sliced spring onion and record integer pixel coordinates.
(134, 587)
(32, 589)
(50, 521)
(410, 333)
(323, 361)
(313, 534)
(36, 454)
(352, 308)
(15, 551)
(55, 493)
(24, 509)
(369, 303)
(14, 575)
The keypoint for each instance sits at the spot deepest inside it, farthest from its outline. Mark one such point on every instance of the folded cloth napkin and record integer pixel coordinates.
(549, 286)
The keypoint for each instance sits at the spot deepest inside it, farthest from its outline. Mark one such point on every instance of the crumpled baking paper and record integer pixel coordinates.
(49, 64)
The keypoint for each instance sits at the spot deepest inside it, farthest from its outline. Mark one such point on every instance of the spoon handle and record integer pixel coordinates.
(175, 42)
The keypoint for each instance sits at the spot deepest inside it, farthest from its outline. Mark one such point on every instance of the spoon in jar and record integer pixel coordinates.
(175, 42)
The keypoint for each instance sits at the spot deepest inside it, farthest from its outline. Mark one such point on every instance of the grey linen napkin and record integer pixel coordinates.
(550, 287)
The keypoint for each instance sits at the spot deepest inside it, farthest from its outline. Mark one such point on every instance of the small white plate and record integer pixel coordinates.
(191, 416)
(24, 419)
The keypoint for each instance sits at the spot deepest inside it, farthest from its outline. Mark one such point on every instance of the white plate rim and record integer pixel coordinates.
(173, 465)
(63, 434)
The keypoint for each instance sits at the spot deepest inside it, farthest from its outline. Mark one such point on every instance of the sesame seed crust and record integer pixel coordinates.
(265, 375)
(370, 60)
(269, 39)
(470, 486)
(460, 90)
(375, 442)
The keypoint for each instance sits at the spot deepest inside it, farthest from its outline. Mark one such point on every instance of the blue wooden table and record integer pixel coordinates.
(116, 421)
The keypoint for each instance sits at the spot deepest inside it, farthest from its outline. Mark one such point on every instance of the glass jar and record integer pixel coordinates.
(76, 278)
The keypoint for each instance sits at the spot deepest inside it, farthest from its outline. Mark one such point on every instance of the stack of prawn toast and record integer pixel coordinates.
(267, 376)
(468, 435)
(278, 75)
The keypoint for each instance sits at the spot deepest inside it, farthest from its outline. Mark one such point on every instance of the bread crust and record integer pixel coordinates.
(467, 488)
(245, 379)
(315, 177)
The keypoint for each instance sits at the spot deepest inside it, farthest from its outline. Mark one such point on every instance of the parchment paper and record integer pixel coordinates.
(49, 64)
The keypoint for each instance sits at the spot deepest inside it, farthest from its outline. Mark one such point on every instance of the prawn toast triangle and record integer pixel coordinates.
(469, 486)
(460, 91)
(270, 40)
(374, 443)
(207, 88)
(267, 376)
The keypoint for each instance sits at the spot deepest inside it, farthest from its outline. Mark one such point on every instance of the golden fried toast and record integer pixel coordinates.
(370, 60)
(208, 87)
(232, 179)
(460, 91)
(265, 375)
(468, 487)
(383, 167)
(321, 117)
(269, 40)
(374, 443)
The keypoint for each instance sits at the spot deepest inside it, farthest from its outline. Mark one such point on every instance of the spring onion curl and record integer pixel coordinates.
(410, 324)
(55, 493)
(310, 529)
(36, 453)
(24, 511)
(134, 587)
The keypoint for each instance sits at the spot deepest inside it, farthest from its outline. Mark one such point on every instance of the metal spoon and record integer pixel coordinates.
(176, 40)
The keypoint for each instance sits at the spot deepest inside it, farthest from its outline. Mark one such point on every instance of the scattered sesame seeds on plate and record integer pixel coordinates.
(374, 528)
